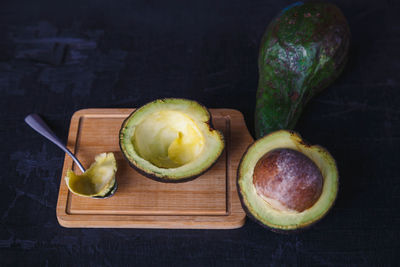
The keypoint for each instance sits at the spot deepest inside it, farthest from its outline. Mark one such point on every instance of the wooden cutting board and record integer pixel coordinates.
(209, 202)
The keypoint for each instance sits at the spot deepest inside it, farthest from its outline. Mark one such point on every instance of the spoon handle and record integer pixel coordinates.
(36, 122)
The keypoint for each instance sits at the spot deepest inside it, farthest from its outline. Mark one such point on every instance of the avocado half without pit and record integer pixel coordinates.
(171, 140)
(285, 184)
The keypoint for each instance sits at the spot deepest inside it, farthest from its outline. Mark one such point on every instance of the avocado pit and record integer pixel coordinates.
(288, 180)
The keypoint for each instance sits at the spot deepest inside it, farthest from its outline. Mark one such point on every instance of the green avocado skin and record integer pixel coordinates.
(303, 50)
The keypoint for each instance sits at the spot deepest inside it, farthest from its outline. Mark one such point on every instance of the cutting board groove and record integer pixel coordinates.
(210, 201)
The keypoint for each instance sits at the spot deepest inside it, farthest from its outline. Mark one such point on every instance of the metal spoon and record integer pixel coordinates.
(36, 122)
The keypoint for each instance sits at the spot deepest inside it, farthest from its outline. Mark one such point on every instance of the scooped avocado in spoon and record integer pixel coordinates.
(97, 181)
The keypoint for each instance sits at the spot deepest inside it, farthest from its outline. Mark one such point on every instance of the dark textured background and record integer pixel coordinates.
(57, 57)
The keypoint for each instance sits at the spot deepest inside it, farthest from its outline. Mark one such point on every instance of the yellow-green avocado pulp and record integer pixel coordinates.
(97, 181)
(262, 212)
(170, 140)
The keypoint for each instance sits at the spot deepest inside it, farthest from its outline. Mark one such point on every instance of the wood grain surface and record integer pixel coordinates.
(210, 201)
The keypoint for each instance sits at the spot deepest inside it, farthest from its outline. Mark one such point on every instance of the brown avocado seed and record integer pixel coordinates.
(288, 180)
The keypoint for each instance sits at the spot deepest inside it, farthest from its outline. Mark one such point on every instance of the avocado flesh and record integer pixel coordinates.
(304, 49)
(269, 215)
(97, 181)
(168, 139)
(171, 140)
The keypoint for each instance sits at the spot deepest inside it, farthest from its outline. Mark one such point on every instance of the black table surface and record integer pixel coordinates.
(57, 57)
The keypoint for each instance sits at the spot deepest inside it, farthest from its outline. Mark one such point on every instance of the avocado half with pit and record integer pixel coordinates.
(285, 184)
(171, 140)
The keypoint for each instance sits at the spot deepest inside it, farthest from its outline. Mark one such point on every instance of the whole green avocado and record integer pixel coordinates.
(303, 50)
